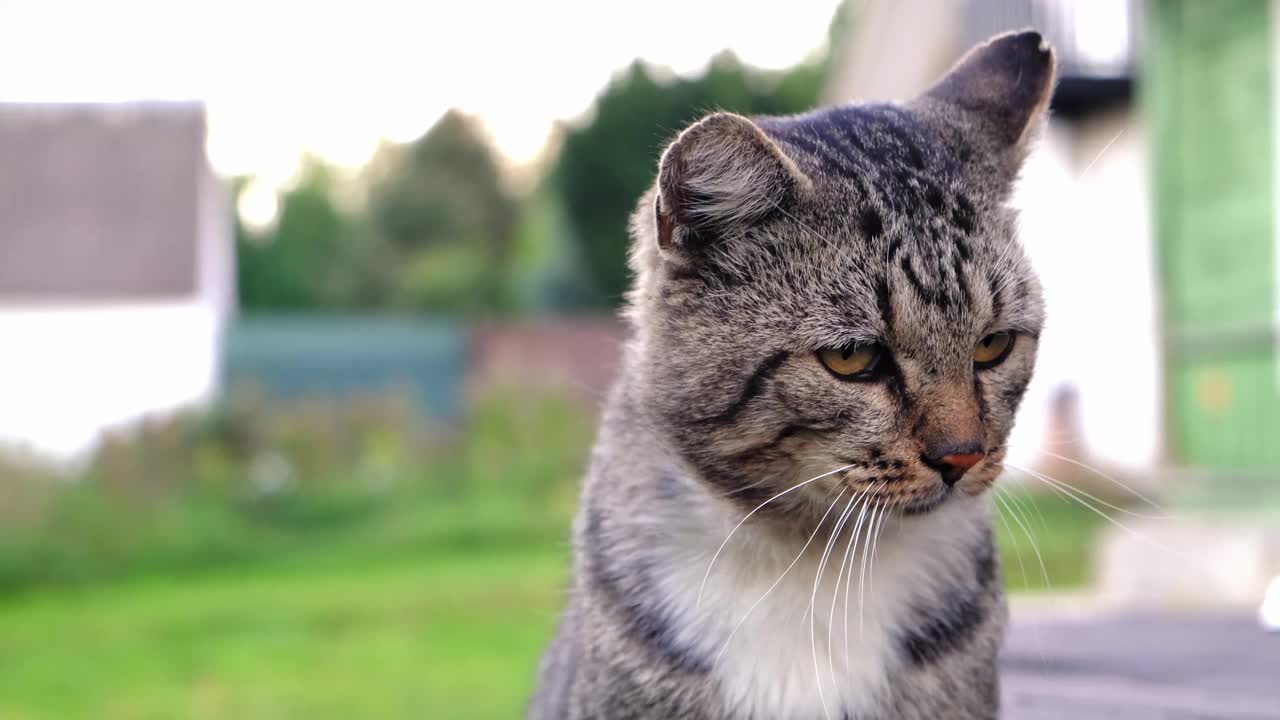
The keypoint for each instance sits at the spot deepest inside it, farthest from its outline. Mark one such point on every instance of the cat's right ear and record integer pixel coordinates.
(998, 92)
(722, 174)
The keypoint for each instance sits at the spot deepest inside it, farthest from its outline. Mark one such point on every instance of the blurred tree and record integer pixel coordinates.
(546, 269)
(608, 162)
(447, 222)
(439, 230)
(436, 232)
(294, 264)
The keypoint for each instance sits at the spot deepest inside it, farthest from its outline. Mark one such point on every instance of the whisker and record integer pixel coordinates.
(1101, 152)
(1062, 441)
(852, 556)
(1007, 275)
(835, 593)
(1035, 506)
(813, 617)
(1036, 550)
(1057, 492)
(1104, 476)
(779, 580)
(1128, 530)
(849, 578)
(862, 573)
(815, 233)
(1017, 549)
(1068, 487)
(875, 540)
(1044, 570)
(702, 588)
(744, 488)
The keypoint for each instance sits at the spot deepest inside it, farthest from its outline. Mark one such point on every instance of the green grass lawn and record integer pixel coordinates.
(390, 580)
(454, 636)
(381, 624)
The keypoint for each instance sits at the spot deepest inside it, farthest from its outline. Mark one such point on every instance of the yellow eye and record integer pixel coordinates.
(993, 349)
(851, 361)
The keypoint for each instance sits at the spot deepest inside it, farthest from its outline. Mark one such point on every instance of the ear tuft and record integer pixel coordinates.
(1004, 85)
(722, 173)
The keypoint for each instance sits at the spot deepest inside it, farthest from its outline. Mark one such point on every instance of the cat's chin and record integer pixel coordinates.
(928, 504)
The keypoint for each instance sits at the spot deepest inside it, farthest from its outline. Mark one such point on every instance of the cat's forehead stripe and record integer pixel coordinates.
(905, 195)
(862, 140)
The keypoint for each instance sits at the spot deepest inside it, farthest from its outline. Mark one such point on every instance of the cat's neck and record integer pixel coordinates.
(749, 610)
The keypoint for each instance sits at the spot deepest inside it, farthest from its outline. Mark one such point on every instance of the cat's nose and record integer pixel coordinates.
(954, 461)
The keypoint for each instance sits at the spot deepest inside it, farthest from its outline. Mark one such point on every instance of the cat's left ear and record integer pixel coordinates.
(998, 93)
(722, 174)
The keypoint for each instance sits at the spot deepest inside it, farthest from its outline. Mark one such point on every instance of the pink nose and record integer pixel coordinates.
(961, 462)
(953, 465)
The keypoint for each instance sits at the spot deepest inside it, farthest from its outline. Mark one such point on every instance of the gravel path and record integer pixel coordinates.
(1140, 667)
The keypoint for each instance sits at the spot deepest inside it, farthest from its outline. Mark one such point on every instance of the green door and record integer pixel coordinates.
(1208, 95)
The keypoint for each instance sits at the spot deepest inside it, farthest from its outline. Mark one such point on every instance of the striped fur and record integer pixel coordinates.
(763, 241)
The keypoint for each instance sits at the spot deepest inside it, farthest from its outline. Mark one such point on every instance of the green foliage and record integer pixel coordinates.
(435, 232)
(251, 483)
(301, 262)
(547, 265)
(440, 206)
(606, 164)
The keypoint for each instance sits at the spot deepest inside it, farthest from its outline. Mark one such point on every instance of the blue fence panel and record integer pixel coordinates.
(291, 356)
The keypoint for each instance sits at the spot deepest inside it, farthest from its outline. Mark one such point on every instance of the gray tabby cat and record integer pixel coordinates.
(833, 327)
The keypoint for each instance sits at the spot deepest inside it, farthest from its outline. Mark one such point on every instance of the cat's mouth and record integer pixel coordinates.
(920, 497)
(938, 492)
(920, 489)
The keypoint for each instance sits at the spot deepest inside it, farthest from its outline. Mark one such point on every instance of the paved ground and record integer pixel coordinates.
(1142, 667)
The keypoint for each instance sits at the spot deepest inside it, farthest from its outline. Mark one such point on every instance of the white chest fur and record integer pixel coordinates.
(785, 647)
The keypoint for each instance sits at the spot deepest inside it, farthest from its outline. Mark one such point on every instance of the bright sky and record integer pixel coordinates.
(334, 77)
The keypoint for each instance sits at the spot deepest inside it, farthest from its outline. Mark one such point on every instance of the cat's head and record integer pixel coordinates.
(844, 288)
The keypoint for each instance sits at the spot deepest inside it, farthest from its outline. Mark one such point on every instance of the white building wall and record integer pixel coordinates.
(1086, 224)
(71, 372)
